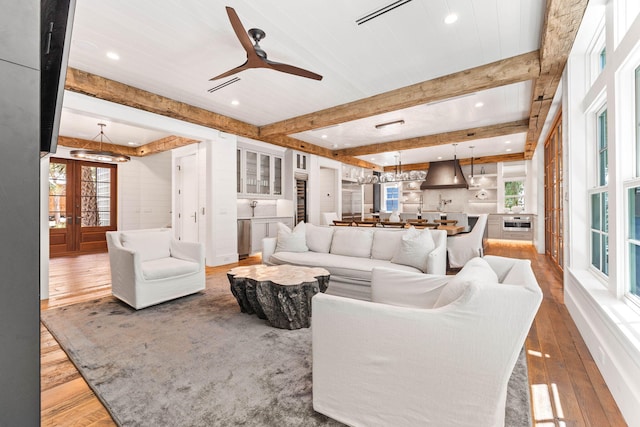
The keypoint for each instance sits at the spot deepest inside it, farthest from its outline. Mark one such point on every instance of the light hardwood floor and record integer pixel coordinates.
(566, 386)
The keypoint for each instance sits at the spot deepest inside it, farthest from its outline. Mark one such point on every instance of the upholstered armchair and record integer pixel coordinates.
(150, 266)
(464, 246)
(430, 350)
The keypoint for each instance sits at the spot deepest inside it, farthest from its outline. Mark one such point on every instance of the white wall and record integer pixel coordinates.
(221, 206)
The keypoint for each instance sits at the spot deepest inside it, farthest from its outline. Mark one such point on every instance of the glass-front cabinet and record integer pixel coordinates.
(259, 174)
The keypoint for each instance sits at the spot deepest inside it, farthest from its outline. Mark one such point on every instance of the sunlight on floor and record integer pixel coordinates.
(547, 409)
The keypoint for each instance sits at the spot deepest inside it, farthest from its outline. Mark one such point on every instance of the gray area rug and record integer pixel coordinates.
(198, 361)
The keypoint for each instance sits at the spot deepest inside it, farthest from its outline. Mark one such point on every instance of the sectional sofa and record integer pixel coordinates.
(351, 253)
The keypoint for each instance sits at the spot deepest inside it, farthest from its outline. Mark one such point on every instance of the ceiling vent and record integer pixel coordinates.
(442, 175)
(376, 13)
(225, 84)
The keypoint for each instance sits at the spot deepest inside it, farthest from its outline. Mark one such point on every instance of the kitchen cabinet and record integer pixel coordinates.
(258, 173)
(495, 227)
(266, 227)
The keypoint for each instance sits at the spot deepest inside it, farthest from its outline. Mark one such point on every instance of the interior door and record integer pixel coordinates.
(188, 217)
(82, 206)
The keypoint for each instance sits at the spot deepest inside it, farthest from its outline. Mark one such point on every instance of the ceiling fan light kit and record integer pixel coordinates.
(99, 155)
(256, 56)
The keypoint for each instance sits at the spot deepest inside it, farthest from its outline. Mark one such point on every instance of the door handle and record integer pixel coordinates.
(194, 216)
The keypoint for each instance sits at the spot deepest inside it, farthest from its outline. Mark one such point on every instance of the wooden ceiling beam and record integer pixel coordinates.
(507, 71)
(87, 144)
(561, 23)
(120, 93)
(501, 129)
(511, 157)
(163, 144)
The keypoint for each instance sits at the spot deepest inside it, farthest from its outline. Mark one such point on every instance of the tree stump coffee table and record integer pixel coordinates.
(281, 294)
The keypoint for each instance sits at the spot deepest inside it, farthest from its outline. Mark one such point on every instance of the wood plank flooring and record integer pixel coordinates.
(566, 386)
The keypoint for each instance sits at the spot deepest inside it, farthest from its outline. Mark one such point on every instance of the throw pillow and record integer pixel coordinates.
(414, 249)
(476, 269)
(386, 243)
(291, 241)
(319, 238)
(352, 241)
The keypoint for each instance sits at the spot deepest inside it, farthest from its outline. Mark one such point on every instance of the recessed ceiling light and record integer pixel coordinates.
(324, 136)
(439, 157)
(507, 142)
(235, 102)
(508, 149)
(132, 143)
(479, 104)
(451, 18)
(335, 145)
(373, 159)
(113, 55)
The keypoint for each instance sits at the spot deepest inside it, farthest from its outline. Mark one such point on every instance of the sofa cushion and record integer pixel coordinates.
(352, 241)
(404, 289)
(319, 238)
(164, 268)
(386, 243)
(415, 247)
(358, 269)
(291, 241)
(150, 244)
(475, 270)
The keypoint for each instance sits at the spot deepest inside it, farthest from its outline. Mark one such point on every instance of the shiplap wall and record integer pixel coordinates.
(144, 187)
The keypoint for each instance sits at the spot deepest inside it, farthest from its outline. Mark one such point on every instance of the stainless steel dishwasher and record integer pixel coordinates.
(244, 238)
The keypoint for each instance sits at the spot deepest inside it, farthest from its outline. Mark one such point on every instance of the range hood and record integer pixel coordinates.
(442, 175)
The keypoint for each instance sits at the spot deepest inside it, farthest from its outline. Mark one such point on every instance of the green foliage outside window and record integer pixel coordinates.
(513, 194)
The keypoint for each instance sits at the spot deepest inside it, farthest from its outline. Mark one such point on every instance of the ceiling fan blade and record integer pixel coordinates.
(232, 71)
(241, 33)
(286, 68)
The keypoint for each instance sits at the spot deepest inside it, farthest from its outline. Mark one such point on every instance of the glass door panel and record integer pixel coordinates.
(277, 176)
(265, 174)
(251, 172)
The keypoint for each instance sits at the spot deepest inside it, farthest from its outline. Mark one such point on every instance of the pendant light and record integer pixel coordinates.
(99, 155)
(455, 161)
(472, 179)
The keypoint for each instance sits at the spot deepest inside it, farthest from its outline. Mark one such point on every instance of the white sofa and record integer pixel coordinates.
(150, 266)
(351, 253)
(431, 351)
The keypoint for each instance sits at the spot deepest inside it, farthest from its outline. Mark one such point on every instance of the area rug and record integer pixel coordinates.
(198, 361)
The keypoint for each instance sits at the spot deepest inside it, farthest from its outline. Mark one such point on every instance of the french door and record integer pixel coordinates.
(82, 206)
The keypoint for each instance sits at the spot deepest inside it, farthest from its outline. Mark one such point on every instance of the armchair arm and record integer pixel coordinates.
(189, 251)
(406, 288)
(126, 268)
(268, 248)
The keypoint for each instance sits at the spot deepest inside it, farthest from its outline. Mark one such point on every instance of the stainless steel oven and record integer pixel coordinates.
(516, 223)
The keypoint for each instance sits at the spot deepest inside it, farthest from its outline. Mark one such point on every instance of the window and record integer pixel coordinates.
(637, 121)
(514, 194)
(599, 231)
(391, 196)
(633, 240)
(602, 58)
(603, 167)
(599, 200)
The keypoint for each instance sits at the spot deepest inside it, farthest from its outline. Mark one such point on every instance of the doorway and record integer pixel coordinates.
(82, 206)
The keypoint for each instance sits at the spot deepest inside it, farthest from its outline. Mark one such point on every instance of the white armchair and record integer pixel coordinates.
(150, 266)
(462, 247)
(441, 355)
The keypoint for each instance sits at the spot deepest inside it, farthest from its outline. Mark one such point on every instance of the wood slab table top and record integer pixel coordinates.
(451, 229)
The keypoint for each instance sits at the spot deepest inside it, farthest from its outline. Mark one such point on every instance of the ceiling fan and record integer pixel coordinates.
(256, 57)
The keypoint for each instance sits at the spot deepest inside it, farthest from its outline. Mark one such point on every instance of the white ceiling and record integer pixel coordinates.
(172, 48)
